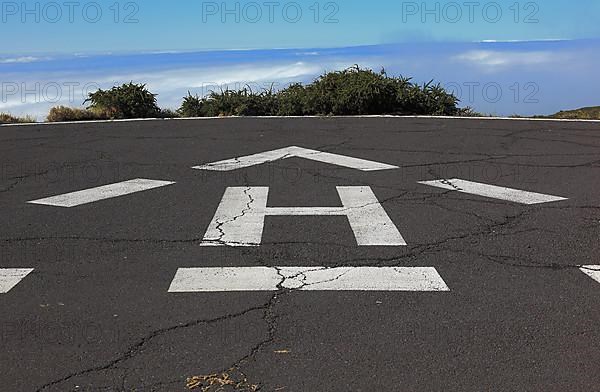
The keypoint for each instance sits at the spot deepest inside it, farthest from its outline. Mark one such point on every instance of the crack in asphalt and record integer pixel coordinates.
(10, 187)
(133, 350)
(270, 317)
(448, 182)
(19, 179)
(65, 166)
(159, 241)
(517, 262)
(220, 224)
(284, 288)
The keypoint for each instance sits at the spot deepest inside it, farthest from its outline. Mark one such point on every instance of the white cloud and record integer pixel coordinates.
(172, 84)
(522, 40)
(20, 60)
(501, 59)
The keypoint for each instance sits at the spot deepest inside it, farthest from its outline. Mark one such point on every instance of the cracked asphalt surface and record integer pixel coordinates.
(95, 315)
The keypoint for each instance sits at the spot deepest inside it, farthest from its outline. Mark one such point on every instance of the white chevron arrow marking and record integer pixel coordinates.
(295, 152)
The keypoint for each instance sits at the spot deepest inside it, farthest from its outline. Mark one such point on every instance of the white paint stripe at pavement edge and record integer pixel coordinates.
(91, 195)
(297, 152)
(10, 277)
(299, 117)
(238, 279)
(493, 191)
(593, 271)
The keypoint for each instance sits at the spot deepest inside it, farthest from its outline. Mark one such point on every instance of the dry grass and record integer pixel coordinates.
(64, 113)
(589, 113)
(6, 118)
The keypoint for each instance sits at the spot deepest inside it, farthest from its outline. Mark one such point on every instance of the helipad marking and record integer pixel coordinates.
(240, 217)
(493, 191)
(298, 152)
(91, 195)
(593, 271)
(10, 277)
(191, 280)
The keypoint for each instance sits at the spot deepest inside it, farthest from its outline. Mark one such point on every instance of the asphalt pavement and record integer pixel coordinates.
(425, 255)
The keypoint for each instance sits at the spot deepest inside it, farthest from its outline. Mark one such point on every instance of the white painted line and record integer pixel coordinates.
(10, 277)
(342, 160)
(240, 217)
(298, 152)
(370, 223)
(593, 271)
(91, 195)
(493, 191)
(192, 280)
(302, 117)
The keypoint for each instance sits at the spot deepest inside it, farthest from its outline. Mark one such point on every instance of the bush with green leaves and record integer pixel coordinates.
(353, 91)
(244, 102)
(126, 101)
(357, 91)
(294, 101)
(192, 106)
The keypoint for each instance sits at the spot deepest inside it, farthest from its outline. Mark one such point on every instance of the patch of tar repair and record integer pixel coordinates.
(230, 380)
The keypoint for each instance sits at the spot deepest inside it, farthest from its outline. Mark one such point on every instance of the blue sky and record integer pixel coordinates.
(500, 57)
(150, 25)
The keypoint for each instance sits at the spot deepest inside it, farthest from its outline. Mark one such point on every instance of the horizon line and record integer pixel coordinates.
(7, 56)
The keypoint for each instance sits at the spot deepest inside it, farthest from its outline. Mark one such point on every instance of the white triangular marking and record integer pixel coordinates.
(593, 271)
(10, 277)
(493, 191)
(86, 196)
(295, 152)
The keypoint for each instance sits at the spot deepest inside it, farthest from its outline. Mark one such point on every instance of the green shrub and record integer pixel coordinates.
(192, 106)
(244, 102)
(353, 91)
(125, 101)
(64, 113)
(431, 100)
(293, 101)
(6, 118)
